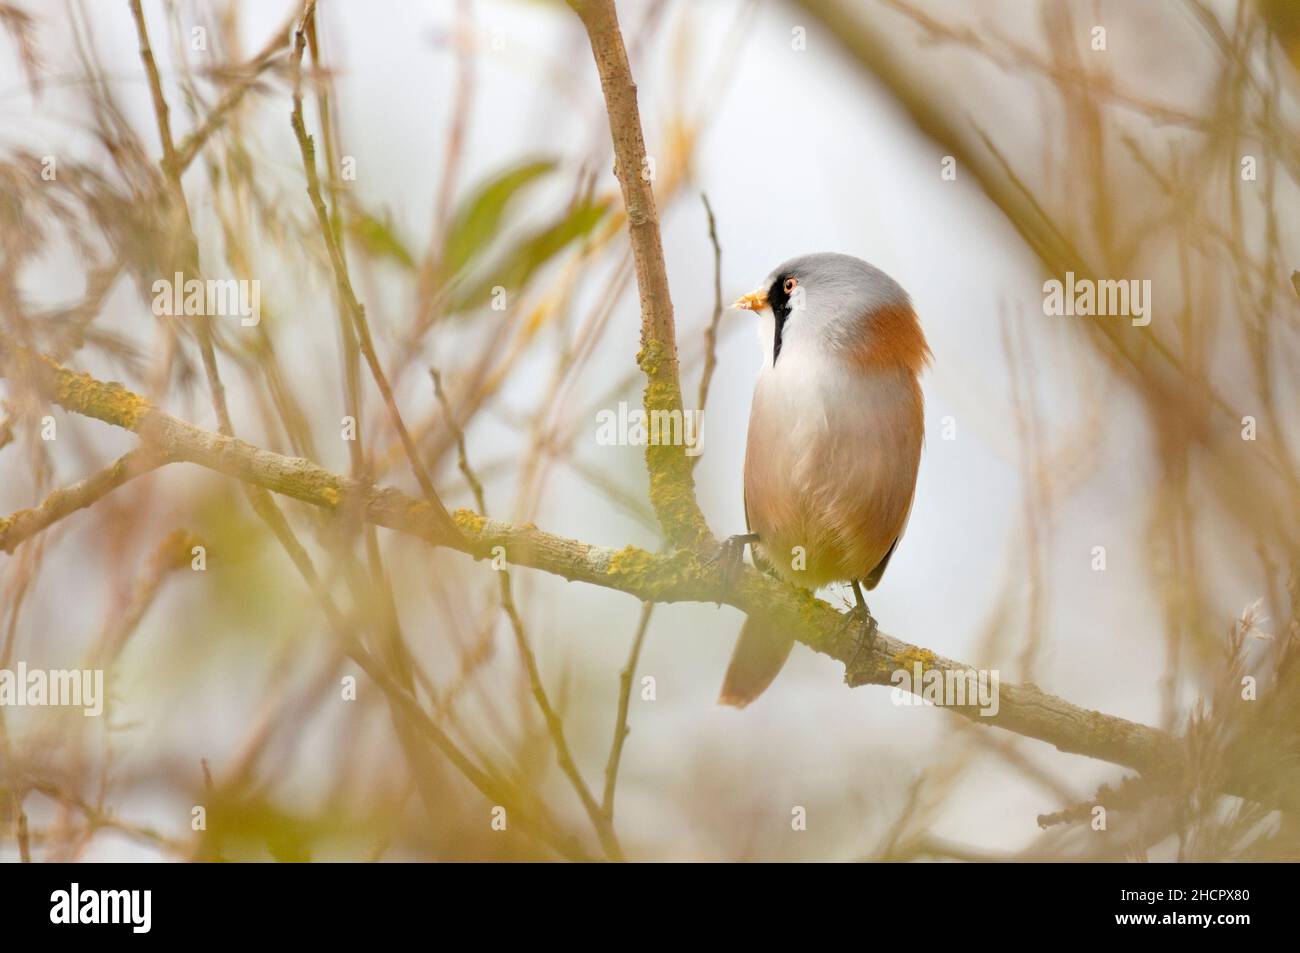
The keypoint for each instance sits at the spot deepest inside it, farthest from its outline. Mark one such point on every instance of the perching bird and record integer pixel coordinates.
(835, 433)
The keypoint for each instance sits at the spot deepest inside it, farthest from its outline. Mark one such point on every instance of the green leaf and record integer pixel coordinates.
(533, 251)
(378, 237)
(478, 218)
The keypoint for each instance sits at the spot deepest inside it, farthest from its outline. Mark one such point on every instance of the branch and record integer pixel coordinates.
(25, 524)
(711, 333)
(173, 553)
(156, 92)
(600, 820)
(672, 486)
(113, 404)
(621, 728)
(343, 282)
(250, 75)
(679, 576)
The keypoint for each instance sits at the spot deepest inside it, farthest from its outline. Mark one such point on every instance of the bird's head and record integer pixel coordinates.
(837, 303)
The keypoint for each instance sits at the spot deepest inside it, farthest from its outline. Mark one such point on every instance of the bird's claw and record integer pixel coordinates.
(861, 617)
(729, 558)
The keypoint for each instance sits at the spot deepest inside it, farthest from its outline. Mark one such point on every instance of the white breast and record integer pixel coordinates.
(831, 462)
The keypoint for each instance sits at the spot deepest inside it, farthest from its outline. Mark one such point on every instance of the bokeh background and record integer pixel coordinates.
(481, 153)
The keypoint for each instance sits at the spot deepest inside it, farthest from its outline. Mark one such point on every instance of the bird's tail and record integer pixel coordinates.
(760, 653)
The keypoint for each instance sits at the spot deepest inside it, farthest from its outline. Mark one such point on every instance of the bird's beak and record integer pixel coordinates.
(754, 301)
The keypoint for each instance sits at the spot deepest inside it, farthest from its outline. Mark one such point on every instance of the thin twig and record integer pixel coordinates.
(173, 553)
(347, 297)
(458, 434)
(711, 333)
(24, 840)
(554, 723)
(251, 72)
(25, 524)
(621, 729)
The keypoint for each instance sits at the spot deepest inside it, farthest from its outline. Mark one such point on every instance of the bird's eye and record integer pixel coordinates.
(790, 284)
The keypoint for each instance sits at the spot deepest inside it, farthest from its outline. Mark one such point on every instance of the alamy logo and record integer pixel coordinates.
(69, 688)
(217, 297)
(132, 907)
(631, 427)
(947, 688)
(1128, 298)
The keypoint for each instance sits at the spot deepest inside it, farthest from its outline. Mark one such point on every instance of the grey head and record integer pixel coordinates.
(822, 299)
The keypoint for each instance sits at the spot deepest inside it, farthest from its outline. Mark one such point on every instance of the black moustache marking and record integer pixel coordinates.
(780, 304)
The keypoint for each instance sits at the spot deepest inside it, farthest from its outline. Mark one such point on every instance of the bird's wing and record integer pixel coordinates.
(873, 577)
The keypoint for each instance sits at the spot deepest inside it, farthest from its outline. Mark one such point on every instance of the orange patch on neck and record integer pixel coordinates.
(892, 337)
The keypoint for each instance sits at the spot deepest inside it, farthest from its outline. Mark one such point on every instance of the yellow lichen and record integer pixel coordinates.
(467, 521)
(913, 654)
(110, 402)
(650, 575)
(649, 358)
(631, 563)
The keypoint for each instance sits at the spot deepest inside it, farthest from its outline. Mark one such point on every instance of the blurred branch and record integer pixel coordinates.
(672, 486)
(343, 282)
(252, 71)
(600, 820)
(621, 728)
(25, 524)
(135, 409)
(373, 585)
(173, 553)
(96, 818)
(1129, 793)
(24, 839)
(711, 333)
(159, 100)
(680, 576)
(430, 266)
(185, 246)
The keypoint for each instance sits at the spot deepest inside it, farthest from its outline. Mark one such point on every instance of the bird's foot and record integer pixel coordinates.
(729, 558)
(861, 619)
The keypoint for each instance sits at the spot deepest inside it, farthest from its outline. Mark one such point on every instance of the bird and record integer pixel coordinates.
(836, 429)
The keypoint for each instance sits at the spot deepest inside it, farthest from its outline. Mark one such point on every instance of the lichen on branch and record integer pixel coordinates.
(672, 485)
(682, 575)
